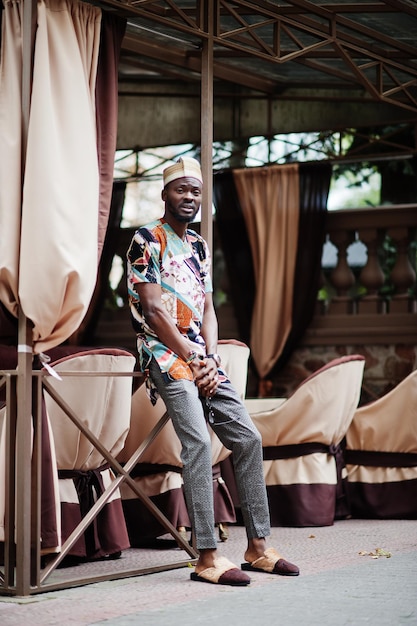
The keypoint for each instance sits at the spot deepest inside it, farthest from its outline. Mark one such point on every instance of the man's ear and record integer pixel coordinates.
(164, 194)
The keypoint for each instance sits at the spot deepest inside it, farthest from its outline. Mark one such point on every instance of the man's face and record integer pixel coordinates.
(182, 198)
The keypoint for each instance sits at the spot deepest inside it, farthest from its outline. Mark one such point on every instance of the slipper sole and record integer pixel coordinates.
(225, 581)
(247, 567)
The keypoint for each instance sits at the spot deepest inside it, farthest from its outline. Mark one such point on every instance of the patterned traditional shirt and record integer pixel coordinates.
(182, 269)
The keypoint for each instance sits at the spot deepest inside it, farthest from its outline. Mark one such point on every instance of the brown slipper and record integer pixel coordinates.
(272, 563)
(224, 572)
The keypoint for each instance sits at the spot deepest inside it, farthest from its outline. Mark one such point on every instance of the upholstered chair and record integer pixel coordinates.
(381, 455)
(102, 403)
(302, 436)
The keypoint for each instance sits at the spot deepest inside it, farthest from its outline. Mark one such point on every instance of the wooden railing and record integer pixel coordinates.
(375, 302)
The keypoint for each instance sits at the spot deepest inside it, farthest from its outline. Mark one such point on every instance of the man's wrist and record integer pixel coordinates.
(216, 358)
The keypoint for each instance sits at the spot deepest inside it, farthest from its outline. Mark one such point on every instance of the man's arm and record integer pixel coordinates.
(209, 328)
(208, 382)
(204, 371)
(159, 320)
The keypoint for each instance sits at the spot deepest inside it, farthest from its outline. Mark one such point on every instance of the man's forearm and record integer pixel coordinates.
(209, 332)
(168, 333)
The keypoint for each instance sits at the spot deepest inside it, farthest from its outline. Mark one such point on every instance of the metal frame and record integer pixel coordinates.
(27, 577)
(323, 38)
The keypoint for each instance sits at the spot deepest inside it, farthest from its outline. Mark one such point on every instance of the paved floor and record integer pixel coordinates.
(341, 583)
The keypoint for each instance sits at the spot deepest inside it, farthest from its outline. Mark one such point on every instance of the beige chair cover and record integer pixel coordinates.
(381, 455)
(102, 403)
(301, 439)
(235, 357)
(159, 471)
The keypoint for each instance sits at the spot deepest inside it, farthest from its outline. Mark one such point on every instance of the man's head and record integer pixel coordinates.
(182, 190)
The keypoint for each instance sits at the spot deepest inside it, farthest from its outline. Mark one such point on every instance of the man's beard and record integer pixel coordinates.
(185, 219)
(182, 218)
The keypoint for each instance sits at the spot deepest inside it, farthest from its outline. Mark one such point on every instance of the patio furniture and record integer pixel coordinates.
(100, 399)
(381, 455)
(302, 436)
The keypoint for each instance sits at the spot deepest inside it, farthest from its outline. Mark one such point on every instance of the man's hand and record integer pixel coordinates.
(205, 376)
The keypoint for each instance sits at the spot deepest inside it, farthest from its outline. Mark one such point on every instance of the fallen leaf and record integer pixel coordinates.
(376, 554)
(381, 552)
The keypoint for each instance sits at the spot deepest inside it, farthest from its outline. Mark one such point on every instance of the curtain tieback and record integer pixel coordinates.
(89, 487)
(150, 469)
(272, 453)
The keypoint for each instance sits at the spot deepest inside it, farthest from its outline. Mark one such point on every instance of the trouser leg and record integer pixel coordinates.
(235, 429)
(187, 415)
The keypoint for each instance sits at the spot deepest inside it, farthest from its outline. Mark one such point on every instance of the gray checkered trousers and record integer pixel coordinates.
(229, 419)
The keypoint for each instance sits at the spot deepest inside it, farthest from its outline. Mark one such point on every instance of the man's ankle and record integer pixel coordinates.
(206, 558)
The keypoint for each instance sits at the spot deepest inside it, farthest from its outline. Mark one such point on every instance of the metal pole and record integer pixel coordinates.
(207, 123)
(24, 356)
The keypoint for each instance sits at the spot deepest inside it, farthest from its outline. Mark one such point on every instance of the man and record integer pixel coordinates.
(173, 315)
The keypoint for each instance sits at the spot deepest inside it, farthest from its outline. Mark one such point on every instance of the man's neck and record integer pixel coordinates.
(180, 228)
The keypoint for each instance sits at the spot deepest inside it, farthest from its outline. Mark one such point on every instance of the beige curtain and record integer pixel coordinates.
(58, 257)
(56, 241)
(269, 198)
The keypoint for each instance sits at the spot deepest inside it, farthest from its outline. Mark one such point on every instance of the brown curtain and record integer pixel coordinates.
(314, 182)
(314, 190)
(112, 33)
(235, 245)
(85, 334)
(111, 194)
(269, 198)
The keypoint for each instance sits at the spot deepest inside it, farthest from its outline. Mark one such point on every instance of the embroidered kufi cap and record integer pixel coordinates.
(185, 167)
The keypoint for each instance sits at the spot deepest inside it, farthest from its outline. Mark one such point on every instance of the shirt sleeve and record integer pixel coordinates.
(205, 267)
(143, 258)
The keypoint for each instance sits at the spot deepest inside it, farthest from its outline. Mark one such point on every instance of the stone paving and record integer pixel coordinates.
(354, 572)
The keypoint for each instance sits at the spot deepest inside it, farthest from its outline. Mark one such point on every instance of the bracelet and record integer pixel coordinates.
(191, 356)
